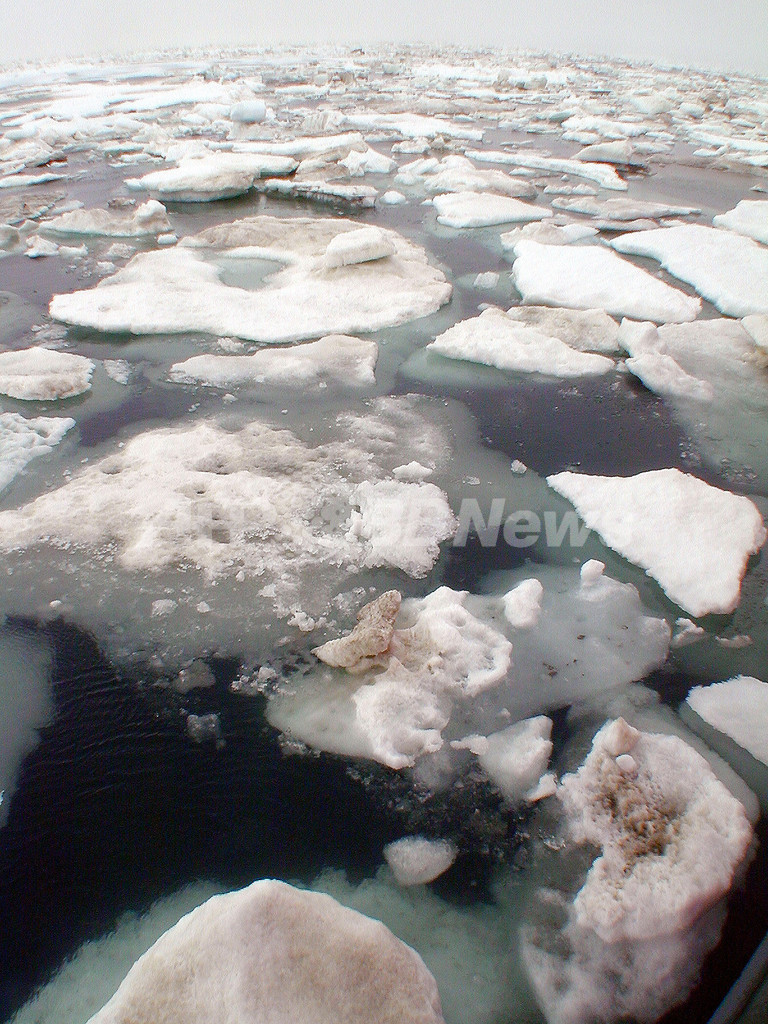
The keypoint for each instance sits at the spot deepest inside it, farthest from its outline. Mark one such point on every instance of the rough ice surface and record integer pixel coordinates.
(496, 339)
(591, 277)
(22, 440)
(692, 538)
(26, 704)
(417, 861)
(671, 838)
(727, 269)
(737, 707)
(548, 233)
(440, 655)
(43, 375)
(481, 209)
(456, 173)
(292, 953)
(179, 290)
(671, 834)
(337, 357)
(749, 217)
(369, 639)
(207, 176)
(622, 209)
(588, 330)
(151, 218)
(516, 758)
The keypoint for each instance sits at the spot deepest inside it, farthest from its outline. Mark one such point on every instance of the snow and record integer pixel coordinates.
(208, 176)
(395, 711)
(361, 246)
(496, 339)
(737, 707)
(481, 209)
(22, 440)
(179, 290)
(671, 838)
(757, 327)
(151, 218)
(603, 174)
(591, 277)
(725, 268)
(337, 357)
(248, 111)
(415, 860)
(516, 758)
(286, 952)
(749, 217)
(692, 538)
(42, 375)
(522, 605)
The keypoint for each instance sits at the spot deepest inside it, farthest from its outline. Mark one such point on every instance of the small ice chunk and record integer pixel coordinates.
(686, 632)
(627, 764)
(208, 175)
(163, 606)
(392, 198)
(41, 375)
(518, 467)
(417, 861)
(413, 472)
(619, 737)
(664, 376)
(205, 728)
(38, 247)
(692, 538)
(197, 676)
(588, 330)
(475, 743)
(517, 757)
(522, 606)
(489, 280)
(151, 218)
(248, 111)
(359, 246)
(737, 707)
(591, 572)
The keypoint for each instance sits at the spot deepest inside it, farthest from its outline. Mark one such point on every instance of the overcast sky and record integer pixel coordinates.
(720, 34)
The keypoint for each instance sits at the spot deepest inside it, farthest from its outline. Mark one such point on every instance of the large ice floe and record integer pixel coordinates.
(507, 342)
(591, 277)
(337, 357)
(41, 374)
(287, 954)
(180, 289)
(244, 515)
(456, 667)
(23, 439)
(671, 838)
(724, 267)
(692, 538)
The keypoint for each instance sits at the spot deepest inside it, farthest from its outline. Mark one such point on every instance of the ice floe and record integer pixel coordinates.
(622, 209)
(336, 357)
(737, 707)
(748, 217)
(315, 960)
(496, 339)
(591, 277)
(603, 174)
(151, 218)
(208, 176)
(416, 861)
(42, 375)
(180, 289)
(22, 440)
(726, 268)
(586, 330)
(516, 758)
(456, 173)
(692, 538)
(481, 209)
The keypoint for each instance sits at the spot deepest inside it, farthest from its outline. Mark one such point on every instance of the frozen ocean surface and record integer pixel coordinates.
(383, 488)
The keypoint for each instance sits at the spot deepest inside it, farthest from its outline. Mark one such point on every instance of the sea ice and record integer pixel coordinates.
(179, 290)
(22, 440)
(496, 339)
(416, 861)
(588, 330)
(692, 538)
(455, 173)
(737, 707)
(603, 174)
(749, 217)
(591, 277)
(287, 953)
(727, 269)
(337, 357)
(207, 176)
(151, 218)
(623, 209)
(482, 209)
(43, 375)
(516, 758)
